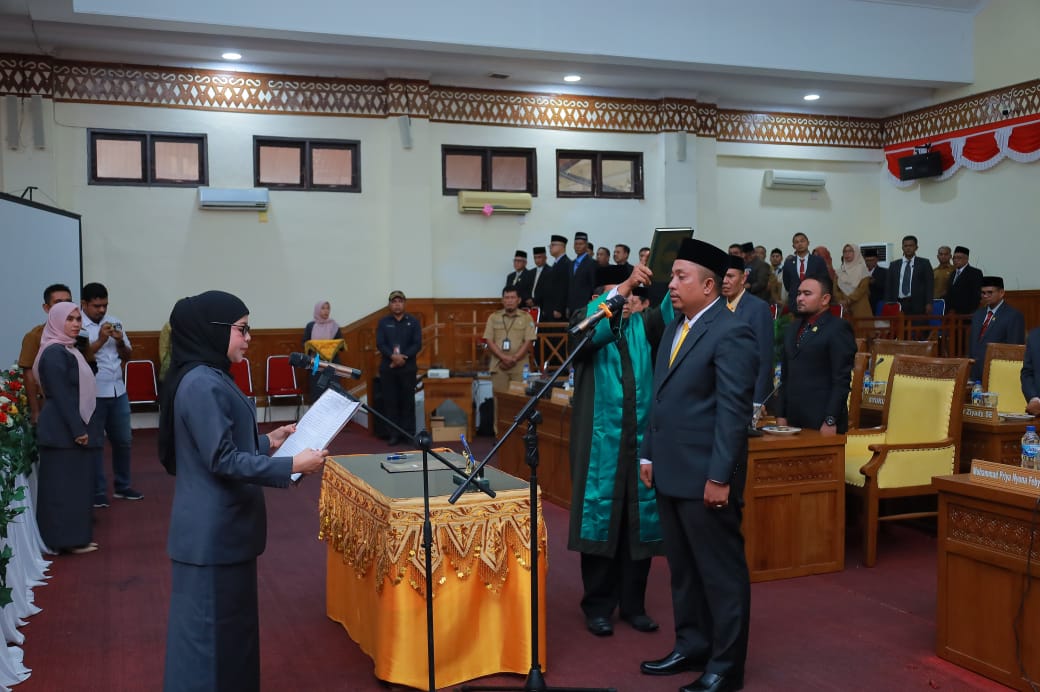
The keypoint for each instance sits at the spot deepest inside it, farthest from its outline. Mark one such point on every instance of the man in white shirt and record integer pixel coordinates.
(109, 346)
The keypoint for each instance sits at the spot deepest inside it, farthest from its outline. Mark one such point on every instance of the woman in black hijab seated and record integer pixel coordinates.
(218, 526)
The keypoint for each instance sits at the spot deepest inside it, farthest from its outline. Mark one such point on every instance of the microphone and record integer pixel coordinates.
(312, 363)
(757, 411)
(606, 309)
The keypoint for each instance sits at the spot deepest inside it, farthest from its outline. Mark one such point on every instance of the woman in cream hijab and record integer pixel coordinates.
(852, 287)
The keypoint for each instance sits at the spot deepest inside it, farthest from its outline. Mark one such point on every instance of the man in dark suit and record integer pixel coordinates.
(995, 322)
(538, 280)
(878, 278)
(695, 452)
(910, 281)
(583, 275)
(621, 254)
(800, 266)
(1031, 373)
(965, 287)
(518, 278)
(755, 312)
(756, 271)
(816, 363)
(555, 301)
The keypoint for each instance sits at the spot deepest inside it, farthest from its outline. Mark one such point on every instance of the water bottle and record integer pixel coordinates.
(1030, 448)
(976, 394)
(570, 379)
(868, 384)
(777, 376)
(527, 372)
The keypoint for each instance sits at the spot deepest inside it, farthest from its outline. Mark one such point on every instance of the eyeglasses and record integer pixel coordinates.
(244, 328)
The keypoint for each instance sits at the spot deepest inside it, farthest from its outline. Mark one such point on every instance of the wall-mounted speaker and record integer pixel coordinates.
(680, 145)
(920, 166)
(11, 120)
(404, 124)
(39, 136)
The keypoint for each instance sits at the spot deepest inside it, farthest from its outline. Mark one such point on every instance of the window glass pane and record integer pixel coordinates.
(119, 158)
(509, 173)
(463, 171)
(331, 166)
(177, 161)
(617, 177)
(280, 165)
(574, 175)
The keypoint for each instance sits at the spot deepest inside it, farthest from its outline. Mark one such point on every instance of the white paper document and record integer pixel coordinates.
(320, 425)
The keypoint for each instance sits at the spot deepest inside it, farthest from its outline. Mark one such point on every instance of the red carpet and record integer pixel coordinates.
(104, 614)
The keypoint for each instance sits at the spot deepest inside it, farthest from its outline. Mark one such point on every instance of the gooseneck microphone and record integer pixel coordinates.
(606, 309)
(313, 363)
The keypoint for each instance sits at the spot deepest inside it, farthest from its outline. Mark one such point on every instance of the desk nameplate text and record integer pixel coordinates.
(982, 413)
(1004, 476)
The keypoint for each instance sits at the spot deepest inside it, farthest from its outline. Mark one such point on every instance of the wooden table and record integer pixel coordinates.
(554, 435)
(376, 574)
(998, 441)
(456, 389)
(983, 539)
(794, 505)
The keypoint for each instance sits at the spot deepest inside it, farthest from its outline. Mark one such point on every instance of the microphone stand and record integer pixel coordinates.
(423, 440)
(535, 681)
(753, 431)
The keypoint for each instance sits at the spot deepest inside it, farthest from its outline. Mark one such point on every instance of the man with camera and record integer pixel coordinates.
(109, 346)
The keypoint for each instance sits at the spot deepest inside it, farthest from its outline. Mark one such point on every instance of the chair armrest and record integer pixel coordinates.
(881, 451)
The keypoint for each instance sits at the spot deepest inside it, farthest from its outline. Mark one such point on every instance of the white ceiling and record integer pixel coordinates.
(865, 57)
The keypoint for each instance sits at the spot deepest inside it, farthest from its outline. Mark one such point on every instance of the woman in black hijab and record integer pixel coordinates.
(218, 525)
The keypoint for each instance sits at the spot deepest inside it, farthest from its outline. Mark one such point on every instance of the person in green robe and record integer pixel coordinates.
(613, 517)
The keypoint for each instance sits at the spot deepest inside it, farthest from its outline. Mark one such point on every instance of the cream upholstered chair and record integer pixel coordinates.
(883, 350)
(919, 438)
(1003, 375)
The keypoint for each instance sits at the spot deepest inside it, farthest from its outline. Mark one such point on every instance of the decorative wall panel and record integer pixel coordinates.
(799, 128)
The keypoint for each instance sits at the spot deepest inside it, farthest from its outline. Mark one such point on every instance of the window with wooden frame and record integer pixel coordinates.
(329, 165)
(165, 159)
(610, 174)
(488, 169)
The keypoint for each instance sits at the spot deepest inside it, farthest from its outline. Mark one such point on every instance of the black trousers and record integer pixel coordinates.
(711, 588)
(616, 581)
(398, 386)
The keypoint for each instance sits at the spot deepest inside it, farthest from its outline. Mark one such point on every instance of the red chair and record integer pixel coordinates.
(838, 311)
(535, 313)
(281, 383)
(141, 385)
(891, 309)
(775, 309)
(243, 377)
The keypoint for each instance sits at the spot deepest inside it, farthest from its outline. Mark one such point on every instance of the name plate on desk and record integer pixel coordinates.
(1005, 476)
(982, 413)
(875, 400)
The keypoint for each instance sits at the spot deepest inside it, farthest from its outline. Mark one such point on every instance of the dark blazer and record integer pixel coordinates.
(1008, 326)
(815, 266)
(817, 373)
(758, 279)
(556, 292)
(513, 280)
(536, 292)
(1031, 366)
(702, 406)
(964, 294)
(755, 312)
(59, 423)
(218, 515)
(582, 284)
(877, 287)
(922, 284)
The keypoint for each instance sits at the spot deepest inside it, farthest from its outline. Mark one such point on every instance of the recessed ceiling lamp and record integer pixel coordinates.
(572, 78)
(231, 55)
(811, 97)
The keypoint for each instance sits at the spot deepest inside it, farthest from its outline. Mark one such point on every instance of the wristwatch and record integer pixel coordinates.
(829, 420)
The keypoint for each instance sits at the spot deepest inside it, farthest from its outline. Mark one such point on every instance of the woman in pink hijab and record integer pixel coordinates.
(66, 438)
(323, 327)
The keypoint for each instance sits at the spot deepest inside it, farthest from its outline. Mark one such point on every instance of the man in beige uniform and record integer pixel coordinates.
(509, 334)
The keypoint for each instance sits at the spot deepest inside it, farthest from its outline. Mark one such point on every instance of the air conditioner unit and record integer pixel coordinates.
(471, 201)
(884, 252)
(794, 180)
(233, 199)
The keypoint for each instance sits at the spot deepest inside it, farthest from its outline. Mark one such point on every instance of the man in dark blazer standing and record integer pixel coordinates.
(1031, 373)
(800, 266)
(583, 275)
(878, 278)
(755, 312)
(694, 452)
(965, 288)
(520, 277)
(910, 282)
(995, 322)
(555, 301)
(538, 280)
(816, 364)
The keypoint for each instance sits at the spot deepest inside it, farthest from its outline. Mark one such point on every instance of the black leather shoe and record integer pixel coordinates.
(600, 627)
(711, 682)
(642, 623)
(671, 664)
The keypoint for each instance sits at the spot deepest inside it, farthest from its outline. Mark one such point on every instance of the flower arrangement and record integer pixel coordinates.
(17, 455)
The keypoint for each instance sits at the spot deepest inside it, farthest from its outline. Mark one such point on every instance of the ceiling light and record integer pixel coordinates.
(230, 55)
(811, 97)
(572, 78)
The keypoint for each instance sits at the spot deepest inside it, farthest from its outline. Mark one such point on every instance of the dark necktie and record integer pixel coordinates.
(985, 324)
(801, 268)
(905, 288)
(956, 275)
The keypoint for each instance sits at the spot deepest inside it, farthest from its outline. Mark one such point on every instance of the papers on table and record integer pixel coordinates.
(320, 425)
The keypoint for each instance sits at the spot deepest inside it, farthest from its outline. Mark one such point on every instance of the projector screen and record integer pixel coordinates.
(41, 246)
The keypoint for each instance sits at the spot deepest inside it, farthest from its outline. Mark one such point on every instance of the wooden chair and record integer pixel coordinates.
(884, 350)
(919, 438)
(859, 367)
(1002, 374)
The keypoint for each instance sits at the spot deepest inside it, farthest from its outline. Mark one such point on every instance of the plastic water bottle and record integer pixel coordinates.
(976, 394)
(868, 384)
(527, 372)
(777, 376)
(570, 380)
(1030, 448)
